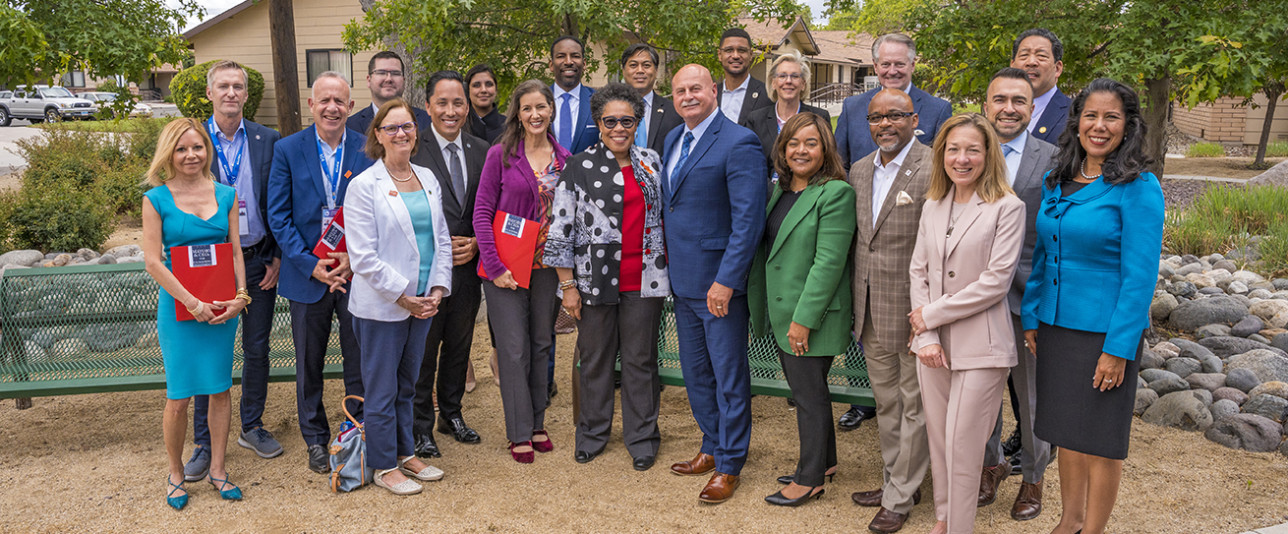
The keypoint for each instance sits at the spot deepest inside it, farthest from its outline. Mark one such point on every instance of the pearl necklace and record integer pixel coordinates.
(1082, 169)
(410, 174)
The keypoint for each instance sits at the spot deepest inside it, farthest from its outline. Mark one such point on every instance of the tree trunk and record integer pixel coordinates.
(1157, 98)
(286, 75)
(413, 79)
(1273, 91)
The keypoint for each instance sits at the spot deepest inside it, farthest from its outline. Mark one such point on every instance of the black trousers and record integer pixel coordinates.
(807, 378)
(447, 349)
(628, 328)
(311, 331)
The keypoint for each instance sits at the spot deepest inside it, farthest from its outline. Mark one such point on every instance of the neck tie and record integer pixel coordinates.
(458, 172)
(565, 121)
(641, 136)
(1007, 150)
(684, 155)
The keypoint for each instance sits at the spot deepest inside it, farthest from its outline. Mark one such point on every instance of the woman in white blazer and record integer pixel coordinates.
(968, 243)
(401, 254)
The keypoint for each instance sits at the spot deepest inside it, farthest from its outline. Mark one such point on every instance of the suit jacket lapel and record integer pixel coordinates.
(863, 192)
(583, 117)
(441, 172)
(352, 146)
(1027, 175)
(314, 164)
(655, 117)
(970, 212)
(911, 164)
(804, 204)
(754, 88)
(696, 152)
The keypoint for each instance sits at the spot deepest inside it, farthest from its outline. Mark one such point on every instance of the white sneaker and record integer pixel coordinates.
(406, 487)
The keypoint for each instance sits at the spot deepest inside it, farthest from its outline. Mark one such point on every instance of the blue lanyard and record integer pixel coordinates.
(230, 171)
(333, 175)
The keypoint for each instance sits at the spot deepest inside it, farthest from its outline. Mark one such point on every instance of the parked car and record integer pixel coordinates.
(44, 103)
(103, 99)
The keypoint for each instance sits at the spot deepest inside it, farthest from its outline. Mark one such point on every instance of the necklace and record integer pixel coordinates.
(410, 174)
(1083, 171)
(952, 219)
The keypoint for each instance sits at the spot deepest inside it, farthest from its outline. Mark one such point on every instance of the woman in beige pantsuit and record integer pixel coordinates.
(968, 243)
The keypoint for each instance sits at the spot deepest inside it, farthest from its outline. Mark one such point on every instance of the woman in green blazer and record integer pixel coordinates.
(799, 288)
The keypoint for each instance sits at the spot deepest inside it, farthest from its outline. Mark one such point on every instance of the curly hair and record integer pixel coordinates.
(1126, 162)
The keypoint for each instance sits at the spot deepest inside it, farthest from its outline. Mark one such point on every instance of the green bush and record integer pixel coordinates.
(188, 88)
(1225, 217)
(1277, 149)
(111, 168)
(58, 216)
(1205, 150)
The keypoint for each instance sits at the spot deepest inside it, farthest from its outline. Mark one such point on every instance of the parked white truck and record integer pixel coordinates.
(43, 103)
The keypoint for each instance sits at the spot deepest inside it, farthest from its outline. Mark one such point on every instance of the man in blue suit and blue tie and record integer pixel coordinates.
(714, 198)
(574, 128)
(311, 171)
(895, 56)
(1040, 54)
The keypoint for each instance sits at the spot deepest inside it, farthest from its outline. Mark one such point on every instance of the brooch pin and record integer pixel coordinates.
(1042, 129)
(393, 193)
(348, 174)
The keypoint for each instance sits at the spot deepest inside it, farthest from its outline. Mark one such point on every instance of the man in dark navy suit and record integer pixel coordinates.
(738, 93)
(895, 56)
(639, 69)
(242, 159)
(386, 79)
(311, 172)
(574, 129)
(714, 192)
(1040, 54)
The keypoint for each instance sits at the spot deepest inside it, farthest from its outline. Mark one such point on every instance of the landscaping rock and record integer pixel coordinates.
(1247, 432)
(1206, 381)
(1226, 265)
(1179, 409)
(1220, 277)
(61, 260)
(1226, 346)
(34, 352)
(1203, 396)
(1144, 399)
(1281, 284)
(1283, 447)
(1268, 310)
(1183, 367)
(130, 259)
(1223, 408)
(1273, 387)
(23, 258)
(1250, 324)
(1210, 290)
(1169, 383)
(1280, 342)
(1243, 299)
(1259, 339)
(125, 250)
(1162, 305)
(1236, 288)
(1183, 289)
(1259, 294)
(1211, 330)
(1165, 269)
(107, 259)
(1202, 281)
(1230, 394)
(87, 254)
(1268, 406)
(1154, 375)
(1151, 360)
(1266, 364)
(1167, 349)
(1190, 349)
(70, 348)
(1192, 314)
(1242, 379)
(1247, 277)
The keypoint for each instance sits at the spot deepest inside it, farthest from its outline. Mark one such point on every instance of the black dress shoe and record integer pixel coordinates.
(779, 500)
(458, 430)
(426, 447)
(584, 457)
(319, 460)
(1012, 444)
(1017, 461)
(854, 417)
(552, 389)
(643, 463)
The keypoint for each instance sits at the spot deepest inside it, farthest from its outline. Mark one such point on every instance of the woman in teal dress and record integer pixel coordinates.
(187, 207)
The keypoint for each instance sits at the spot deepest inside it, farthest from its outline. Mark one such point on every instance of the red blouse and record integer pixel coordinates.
(632, 233)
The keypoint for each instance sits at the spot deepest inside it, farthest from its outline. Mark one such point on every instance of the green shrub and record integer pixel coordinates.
(1205, 150)
(1277, 149)
(59, 216)
(1224, 217)
(109, 167)
(188, 88)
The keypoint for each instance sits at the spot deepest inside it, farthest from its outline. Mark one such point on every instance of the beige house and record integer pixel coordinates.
(840, 62)
(241, 34)
(1228, 121)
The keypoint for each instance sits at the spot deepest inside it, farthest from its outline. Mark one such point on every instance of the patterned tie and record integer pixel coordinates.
(565, 122)
(458, 173)
(684, 154)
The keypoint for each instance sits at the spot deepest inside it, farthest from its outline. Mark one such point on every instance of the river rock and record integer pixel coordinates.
(1268, 309)
(1167, 349)
(1280, 284)
(1162, 305)
(71, 348)
(130, 259)
(1212, 290)
(1168, 383)
(34, 352)
(1223, 408)
(1247, 277)
(87, 254)
(1280, 342)
(1236, 288)
(1179, 409)
(107, 259)
(1152, 375)
(1203, 396)
(1165, 270)
(1242, 379)
(1246, 431)
(1225, 265)
(1211, 330)
(125, 250)
(1266, 364)
(1243, 299)
(1220, 277)
(1192, 314)
(1273, 387)
(1183, 289)
(1202, 281)
(61, 260)
(22, 258)
(1151, 360)
(1259, 339)
(1259, 294)
(1230, 394)
(1226, 346)
(1183, 367)
(1268, 406)
(1248, 325)
(1144, 399)
(1207, 381)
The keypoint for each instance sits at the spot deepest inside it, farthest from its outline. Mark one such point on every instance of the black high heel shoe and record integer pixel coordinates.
(788, 479)
(778, 499)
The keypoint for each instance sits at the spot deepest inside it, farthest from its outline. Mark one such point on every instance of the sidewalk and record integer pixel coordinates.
(10, 161)
(1278, 529)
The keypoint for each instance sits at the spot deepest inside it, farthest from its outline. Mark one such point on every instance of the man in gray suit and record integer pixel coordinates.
(891, 184)
(1009, 106)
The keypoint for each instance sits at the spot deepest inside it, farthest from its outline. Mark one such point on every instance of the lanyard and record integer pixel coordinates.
(230, 171)
(332, 176)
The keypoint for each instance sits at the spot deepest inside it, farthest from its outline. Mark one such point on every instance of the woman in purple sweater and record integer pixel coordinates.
(519, 178)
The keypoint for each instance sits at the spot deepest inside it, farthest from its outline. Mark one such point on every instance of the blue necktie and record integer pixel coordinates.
(565, 122)
(684, 154)
(641, 136)
(1007, 150)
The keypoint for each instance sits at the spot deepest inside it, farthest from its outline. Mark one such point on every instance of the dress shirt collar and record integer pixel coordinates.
(241, 129)
(443, 142)
(746, 82)
(559, 92)
(1018, 143)
(701, 128)
(895, 163)
(648, 103)
(327, 151)
(1040, 105)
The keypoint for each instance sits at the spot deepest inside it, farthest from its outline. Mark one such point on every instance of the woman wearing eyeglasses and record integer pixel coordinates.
(606, 244)
(789, 84)
(401, 254)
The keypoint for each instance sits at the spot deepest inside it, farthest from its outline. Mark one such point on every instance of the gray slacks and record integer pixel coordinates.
(1036, 453)
(630, 328)
(524, 321)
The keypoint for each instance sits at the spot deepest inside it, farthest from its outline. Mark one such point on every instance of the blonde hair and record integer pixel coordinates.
(162, 167)
(991, 184)
(793, 57)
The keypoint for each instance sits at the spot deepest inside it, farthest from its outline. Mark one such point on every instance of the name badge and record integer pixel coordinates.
(243, 220)
(327, 215)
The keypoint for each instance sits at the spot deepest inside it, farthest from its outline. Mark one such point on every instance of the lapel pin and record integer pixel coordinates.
(257, 138)
(755, 95)
(393, 193)
(1042, 129)
(348, 174)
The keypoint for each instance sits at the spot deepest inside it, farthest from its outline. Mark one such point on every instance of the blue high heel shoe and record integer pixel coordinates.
(176, 502)
(220, 484)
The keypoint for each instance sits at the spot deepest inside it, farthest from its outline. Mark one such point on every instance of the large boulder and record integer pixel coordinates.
(1226, 346)
(1266, 364)
(1268, 406)
(1273, 387)
(1179, 409)
(1207, 381)
(1246, 431)
(1192, 314)
(21, 258)
(1223, 408)
(1183, 367)
(1144, 399)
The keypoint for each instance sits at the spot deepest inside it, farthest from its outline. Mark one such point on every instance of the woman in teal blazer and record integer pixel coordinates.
(799, 288)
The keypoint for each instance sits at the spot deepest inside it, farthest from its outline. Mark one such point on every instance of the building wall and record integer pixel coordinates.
(1227, 121)
(1257, 115)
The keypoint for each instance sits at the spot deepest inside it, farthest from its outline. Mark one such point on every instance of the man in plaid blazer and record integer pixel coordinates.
(891, 185)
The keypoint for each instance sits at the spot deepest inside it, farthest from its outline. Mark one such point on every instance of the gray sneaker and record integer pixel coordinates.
(261, 441)
(198, 466)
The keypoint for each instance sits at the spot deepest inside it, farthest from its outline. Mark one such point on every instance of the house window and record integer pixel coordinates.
(74, 78)
(320, 61)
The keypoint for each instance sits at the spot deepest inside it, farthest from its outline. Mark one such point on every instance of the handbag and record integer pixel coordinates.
(349, 470)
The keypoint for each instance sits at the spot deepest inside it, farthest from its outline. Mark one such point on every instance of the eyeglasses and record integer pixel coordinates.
(612, 122)
(387, 73)
(894, 116)
(393, 129)
(736, 50)
(789, 76)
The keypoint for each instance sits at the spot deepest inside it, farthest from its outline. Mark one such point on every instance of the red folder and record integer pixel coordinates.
(332, 240)
(516, 243)
(206, 271)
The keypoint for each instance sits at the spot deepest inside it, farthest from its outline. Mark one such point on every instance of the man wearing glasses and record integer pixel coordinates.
(739, 94)
(386, 79)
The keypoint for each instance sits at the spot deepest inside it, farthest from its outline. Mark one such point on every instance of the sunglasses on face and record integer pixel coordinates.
(612, 122)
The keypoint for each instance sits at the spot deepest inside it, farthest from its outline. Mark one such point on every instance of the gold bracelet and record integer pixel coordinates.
(243, 295)
(193, 311)
(568, 284)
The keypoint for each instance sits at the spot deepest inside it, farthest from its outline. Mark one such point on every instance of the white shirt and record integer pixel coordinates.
(447, 154)
(883, 177)
(731, 99)
(679, 143)
(1040, 105)
(574, 104)
(648, 113)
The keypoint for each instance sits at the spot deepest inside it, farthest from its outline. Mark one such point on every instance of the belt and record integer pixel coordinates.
(254, 249)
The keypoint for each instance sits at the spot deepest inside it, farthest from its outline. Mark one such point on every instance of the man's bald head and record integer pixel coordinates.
(694, 93)
(892, 121)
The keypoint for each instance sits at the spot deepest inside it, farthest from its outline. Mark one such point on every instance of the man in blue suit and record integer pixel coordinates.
(574, 128)
(1040, 54)
(386, 79)
(895, 56)
(311, 171)
(714, 196)
(243, 154)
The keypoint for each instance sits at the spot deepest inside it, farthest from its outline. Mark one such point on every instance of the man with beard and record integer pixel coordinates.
(386, 79)
(1009, 107)
(891, 183)
(639, 68)
(1040, 54)
(739, 94)
(574, 128)
(311, 172)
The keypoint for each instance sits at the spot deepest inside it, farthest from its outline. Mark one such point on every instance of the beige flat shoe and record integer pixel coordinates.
(428, 474)
(406, 487)
(470, 382)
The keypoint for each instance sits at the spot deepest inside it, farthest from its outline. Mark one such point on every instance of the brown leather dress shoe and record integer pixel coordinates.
(1028, 504)
(992, 477)
(719, 489)
(873, 498)
(700, 465)
(887, 522)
